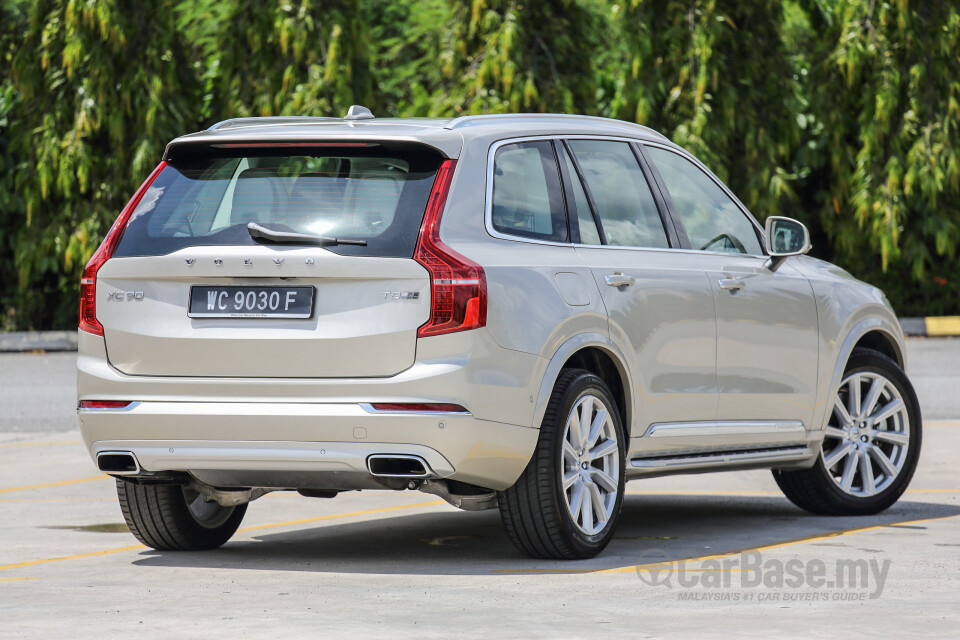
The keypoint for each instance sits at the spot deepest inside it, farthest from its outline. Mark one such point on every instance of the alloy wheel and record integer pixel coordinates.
(590, 464)
(867, 439)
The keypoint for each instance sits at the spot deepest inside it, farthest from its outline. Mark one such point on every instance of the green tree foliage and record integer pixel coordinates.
(99, 88)
(886, 168)
(715, 77)
(12, 16)
(842, 113)
(296, 57)
(501, 56)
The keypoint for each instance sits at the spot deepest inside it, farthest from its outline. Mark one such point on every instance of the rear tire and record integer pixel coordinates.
(871, 445)
(566, 503)
(170, 517)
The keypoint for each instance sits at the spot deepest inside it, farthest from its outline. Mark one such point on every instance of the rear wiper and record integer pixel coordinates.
(263, 234)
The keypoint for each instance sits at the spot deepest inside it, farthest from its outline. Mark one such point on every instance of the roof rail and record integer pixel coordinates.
(237, 122)
(463, 121)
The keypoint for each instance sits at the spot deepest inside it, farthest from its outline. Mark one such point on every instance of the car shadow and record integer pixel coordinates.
(653, 528)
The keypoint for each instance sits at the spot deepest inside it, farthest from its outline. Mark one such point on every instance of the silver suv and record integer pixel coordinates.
(519, 312)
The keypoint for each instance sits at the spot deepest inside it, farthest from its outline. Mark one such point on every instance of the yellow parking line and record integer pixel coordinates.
(38, 444)
(53, 484)
(703, 493)
(943, 326)
(30, 563)
(933, 490)
(34, 500)
(941, 423)
(15, 579)
(753, 493)
(775, 545)
(780, 545)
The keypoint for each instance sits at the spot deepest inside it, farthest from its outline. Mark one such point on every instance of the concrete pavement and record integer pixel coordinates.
(408, 565)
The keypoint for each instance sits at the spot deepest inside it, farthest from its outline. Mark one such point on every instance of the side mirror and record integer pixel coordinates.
(785, 237)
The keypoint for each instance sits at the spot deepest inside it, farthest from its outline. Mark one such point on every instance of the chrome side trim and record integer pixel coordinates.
(722, 428)
(723, 458)
(672, 429)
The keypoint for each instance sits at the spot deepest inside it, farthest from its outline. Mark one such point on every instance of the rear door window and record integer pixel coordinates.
(625, 205)
(207, 196)
(527, 196)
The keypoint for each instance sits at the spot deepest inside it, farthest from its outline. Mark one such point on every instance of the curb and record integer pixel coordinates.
(938, 326)
(20, 341)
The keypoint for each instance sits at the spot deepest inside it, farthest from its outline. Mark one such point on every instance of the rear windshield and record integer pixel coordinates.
(207, 196)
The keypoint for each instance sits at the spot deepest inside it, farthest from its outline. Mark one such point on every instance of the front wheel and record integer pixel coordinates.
(566, 503)
(871, 443)
(172, 517)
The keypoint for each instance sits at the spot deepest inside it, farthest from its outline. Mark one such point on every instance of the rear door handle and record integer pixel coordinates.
(731, 284)
(619, 280)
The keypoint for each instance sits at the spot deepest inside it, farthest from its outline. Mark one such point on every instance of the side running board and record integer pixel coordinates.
(723, 458)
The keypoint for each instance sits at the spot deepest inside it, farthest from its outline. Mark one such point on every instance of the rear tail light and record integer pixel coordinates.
(458, 286)
(419, 407)
(88, 281)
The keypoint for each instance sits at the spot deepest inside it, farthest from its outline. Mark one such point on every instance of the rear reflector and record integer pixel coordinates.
(421, 407)
(105, 404)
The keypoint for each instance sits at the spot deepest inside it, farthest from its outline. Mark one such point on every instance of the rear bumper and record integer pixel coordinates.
(297, 445)
(316, 433)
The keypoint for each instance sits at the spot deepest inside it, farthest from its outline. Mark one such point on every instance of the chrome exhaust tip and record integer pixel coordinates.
(118, 463)
(383, 465)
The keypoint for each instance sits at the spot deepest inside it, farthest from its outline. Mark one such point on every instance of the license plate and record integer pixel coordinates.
(250, 302)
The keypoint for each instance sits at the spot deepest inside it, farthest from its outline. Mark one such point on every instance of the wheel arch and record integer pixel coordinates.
(595, 353)
(873, 332)
(879, 340)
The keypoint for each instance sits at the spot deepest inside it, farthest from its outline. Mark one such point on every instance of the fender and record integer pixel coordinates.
(874, 322)
(560, 357)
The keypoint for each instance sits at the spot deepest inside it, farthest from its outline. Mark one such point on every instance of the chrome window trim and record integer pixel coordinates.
(488, 195)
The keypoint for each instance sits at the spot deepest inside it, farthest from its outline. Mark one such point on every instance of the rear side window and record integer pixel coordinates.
(527, 196)
(625, 205)
(207, 196)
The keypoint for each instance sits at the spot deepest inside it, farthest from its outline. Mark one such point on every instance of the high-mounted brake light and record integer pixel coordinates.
(273, 145)
(458, 286)
(88, 282)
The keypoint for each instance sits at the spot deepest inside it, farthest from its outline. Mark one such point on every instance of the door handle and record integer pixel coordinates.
(731, 284)
(619, 280)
